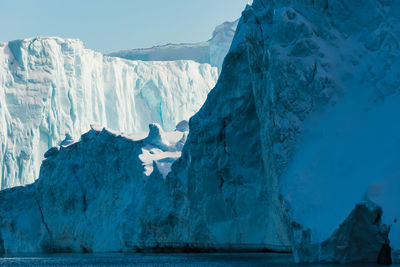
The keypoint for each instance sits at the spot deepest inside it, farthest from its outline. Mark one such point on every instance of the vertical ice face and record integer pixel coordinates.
(302, 120)
(50, 87)
(103, 193)
(297, 147)
(213, 51)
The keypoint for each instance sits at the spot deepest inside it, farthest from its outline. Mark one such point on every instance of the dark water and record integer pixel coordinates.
(217, 259)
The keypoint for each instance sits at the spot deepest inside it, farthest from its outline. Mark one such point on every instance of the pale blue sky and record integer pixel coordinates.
(110, 25)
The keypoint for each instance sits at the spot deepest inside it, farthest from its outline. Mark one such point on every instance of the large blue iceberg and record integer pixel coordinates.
(296, 149)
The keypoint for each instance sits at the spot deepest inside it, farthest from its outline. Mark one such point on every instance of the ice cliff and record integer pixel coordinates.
(213, 51)
(103, 193)
(295, 149)
(297, 145)
(50, 87)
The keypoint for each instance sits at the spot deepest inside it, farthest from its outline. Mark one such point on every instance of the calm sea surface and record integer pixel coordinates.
(217, 259)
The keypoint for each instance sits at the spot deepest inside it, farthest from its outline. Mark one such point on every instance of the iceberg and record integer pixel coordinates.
(103, 193)
(296, 149)
(52, 87)
(212, 52)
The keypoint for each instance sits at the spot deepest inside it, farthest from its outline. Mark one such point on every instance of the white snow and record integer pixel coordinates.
(50, 87)
(162, 149)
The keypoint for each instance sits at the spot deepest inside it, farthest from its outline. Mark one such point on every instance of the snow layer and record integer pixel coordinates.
(50, 87)
(213, 51)
(94, 195)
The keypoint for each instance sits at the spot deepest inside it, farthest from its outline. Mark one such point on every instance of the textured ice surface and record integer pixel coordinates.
(103, 193)
(213, 51)
(50, 87)
(297, 147)
(347, 149)
(306, 106)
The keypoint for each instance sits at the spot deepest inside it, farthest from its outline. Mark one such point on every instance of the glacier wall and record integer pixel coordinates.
(51, 87)
(296, 148)
(297, 138)
(212, 52)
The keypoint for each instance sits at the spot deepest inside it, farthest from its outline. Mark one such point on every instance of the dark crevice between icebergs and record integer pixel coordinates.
(84, 202)
(222, 138)
(47, 245)
(2, 249)
(314, 72)
(222, 134)
(385, 255)
(221, 180)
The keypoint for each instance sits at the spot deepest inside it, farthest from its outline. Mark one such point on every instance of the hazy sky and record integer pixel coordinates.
(110, 25)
